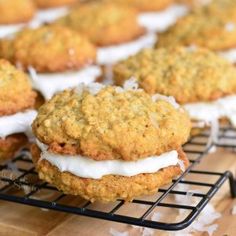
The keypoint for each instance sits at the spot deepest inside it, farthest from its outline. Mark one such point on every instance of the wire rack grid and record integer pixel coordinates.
(19, 183)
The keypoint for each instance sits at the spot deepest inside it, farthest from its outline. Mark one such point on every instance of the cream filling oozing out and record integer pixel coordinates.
(85, 167)
(6, 30)
(230, 55)
(51, 14)
(42, 17)
(161, 21)
(112, 54)
(212, 111)
(49, 84)
(17, 123)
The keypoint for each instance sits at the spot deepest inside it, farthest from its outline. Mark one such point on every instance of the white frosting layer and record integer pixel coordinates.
(208, 112)
(51, 14)
(161, 21)
(49, 84)
(112, 54)
(87, 168)
(42, 17)
(17, 123)
(230, 55)
(6, 30)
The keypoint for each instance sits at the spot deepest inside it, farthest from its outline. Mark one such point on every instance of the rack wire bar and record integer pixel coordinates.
(20, 174)
(227, 137)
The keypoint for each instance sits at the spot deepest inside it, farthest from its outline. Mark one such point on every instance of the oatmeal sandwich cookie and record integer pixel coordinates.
(157, 15)
(212, 26)
(15, 14)
(56, 57)
(113, 28)
(51, 10)
(16, 109)
(113, 142)
(200, 80)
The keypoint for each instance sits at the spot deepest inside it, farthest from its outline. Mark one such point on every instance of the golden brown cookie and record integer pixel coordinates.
(16, 11)
(144, 5)
(194, 3)
(53, 3)
(16, 93)
(6, 49)
(104, 24)
(188, 74)
(11, 145)
(106, 123)
(49, 49)
(110, 187)
(212, 26)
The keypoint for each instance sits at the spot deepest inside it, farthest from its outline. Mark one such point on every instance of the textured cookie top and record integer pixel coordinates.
(110, 123)
(212, 26)
(16, 11)
(49, 49)
(144, 5)
(53, 3)
(188, 74)
(15, 90)
(104, 24)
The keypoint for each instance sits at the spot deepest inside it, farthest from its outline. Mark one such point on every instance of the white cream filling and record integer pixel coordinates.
(51, 14)
(161, 21)
(208, 112)
(42, 17)
(6, 30)
(49, 84)
(230, 55)
(87, 168)
(112, 54)
(17, 123)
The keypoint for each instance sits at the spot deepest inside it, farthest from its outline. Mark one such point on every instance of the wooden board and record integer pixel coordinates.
(23, 220)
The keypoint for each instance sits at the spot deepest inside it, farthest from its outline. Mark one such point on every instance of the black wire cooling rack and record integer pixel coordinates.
(19, 183)
(227, 138)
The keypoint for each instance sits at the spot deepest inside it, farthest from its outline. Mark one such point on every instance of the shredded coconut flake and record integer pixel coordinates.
(148, 232)
(156, 216)
(136, 227)
(171, 100)
(92, 88)
(119, 90)
(230, 27)
(95, 88)
(204, 222)
(130, 84)
(192, 48)
(80, 89)
(114, 232)
(44, 209)
(212, 149)
(153, 120)
(181, 165)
